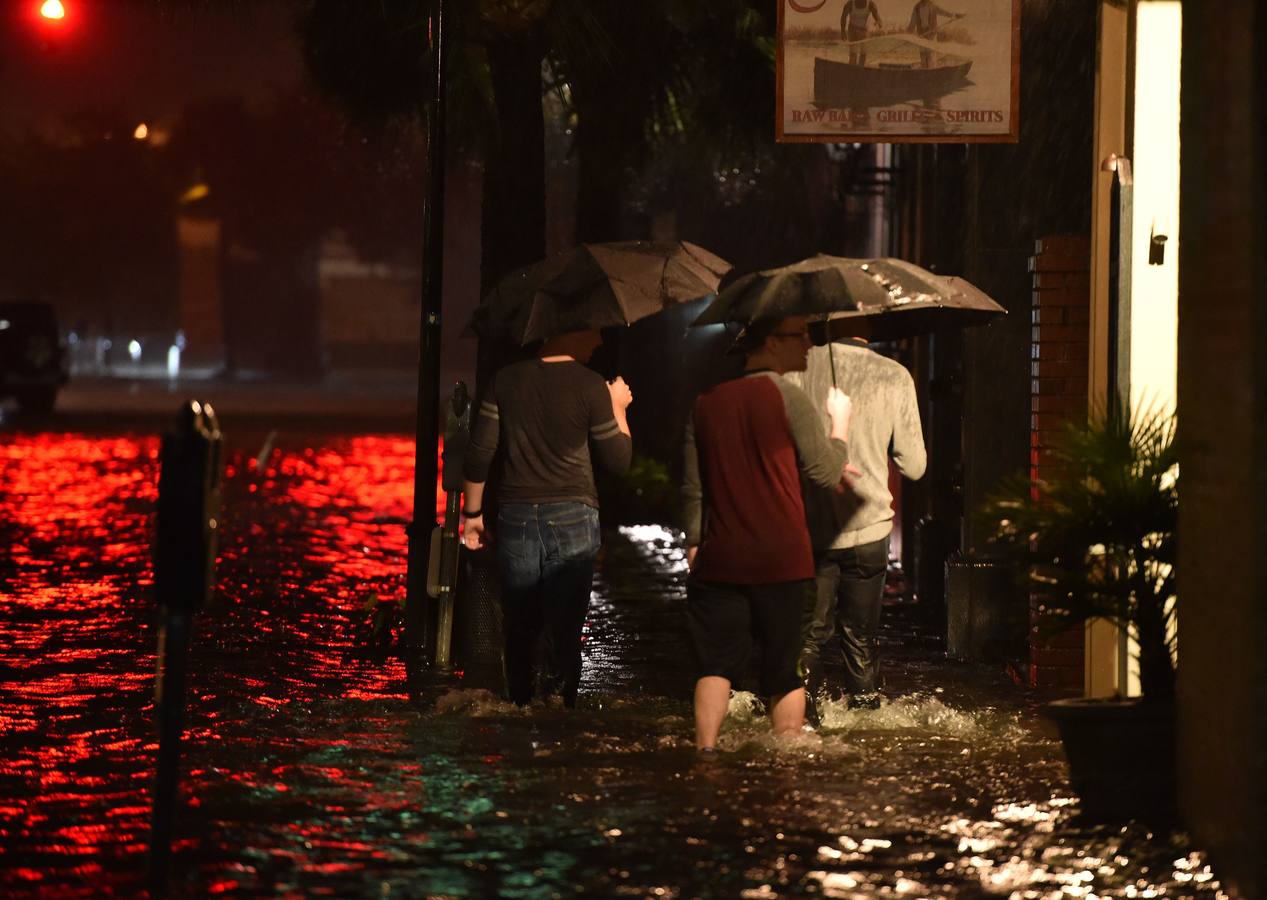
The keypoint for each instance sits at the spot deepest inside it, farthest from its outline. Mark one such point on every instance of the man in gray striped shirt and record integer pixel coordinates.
(549, 418)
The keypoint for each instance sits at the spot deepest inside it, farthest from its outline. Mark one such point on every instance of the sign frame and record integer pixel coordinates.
(840, 136)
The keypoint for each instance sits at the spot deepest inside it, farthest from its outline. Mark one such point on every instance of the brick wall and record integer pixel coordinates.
(1059, 346)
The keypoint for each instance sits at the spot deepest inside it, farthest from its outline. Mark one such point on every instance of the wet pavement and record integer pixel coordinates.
(311, 771)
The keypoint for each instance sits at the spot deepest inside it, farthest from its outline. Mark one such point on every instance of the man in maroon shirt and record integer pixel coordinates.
(752, 566)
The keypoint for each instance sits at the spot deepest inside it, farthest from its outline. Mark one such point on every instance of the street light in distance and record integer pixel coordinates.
(54, 22)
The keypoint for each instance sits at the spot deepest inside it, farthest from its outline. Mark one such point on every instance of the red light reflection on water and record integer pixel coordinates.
(305, 543)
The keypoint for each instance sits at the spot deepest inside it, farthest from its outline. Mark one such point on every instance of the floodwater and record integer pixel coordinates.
(312, 769)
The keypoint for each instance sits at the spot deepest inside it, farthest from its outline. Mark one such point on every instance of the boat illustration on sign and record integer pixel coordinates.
(882, 71)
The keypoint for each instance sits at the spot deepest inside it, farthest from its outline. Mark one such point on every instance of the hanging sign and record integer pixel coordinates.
(898, 71)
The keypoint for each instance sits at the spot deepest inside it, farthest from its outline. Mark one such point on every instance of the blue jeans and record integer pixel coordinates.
(546, 553)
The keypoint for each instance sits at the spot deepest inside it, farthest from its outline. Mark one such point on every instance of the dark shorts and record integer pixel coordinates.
(725, 620)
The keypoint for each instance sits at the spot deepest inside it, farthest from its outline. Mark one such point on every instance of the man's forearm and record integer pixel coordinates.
(692, 494)
(473, 497)
(821, 456)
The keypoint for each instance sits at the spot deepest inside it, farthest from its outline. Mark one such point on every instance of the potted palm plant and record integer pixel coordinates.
(1097, 541)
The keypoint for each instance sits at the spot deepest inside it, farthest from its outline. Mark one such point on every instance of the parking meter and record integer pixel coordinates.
(188, 509)
(184, 566)
(457, 434)
(443, 560)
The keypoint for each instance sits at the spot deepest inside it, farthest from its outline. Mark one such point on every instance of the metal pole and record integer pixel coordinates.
(427, 438)
(187, 526)
(173, 663)
(1121, 228)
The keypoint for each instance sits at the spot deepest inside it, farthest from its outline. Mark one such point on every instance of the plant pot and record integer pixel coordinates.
(1121, 757)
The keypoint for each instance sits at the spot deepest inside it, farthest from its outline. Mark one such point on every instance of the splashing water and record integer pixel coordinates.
(475, 702)
(920, 712)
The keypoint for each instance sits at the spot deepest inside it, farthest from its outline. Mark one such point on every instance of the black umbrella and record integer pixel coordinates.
(913, 301)
(815, 286)
(898, 299)
(596, 286)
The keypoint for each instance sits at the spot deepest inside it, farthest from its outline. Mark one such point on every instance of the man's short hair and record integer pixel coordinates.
(753, 335)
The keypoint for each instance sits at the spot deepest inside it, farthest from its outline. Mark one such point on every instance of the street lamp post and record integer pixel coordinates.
(428, 410)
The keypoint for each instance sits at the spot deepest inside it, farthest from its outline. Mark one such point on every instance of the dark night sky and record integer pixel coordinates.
(142, 58)
(114, 64)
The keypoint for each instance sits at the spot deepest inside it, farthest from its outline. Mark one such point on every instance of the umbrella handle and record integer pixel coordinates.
(831, 356)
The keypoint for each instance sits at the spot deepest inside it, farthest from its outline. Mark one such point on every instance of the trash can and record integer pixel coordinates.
(987, 610)
(932, 545)
(478, 641)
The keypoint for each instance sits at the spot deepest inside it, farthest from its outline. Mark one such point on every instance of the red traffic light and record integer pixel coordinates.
(53, 23)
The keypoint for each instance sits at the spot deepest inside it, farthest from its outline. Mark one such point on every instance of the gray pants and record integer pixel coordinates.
(850, 586)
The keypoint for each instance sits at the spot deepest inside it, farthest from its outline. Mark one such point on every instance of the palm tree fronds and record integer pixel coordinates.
(1097, 540)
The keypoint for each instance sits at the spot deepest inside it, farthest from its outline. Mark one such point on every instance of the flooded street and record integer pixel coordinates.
(310, 771)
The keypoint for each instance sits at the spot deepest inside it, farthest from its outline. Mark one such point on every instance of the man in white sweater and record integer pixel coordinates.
(850, 526)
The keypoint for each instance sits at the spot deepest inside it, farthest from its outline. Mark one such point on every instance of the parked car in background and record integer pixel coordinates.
(32, 358)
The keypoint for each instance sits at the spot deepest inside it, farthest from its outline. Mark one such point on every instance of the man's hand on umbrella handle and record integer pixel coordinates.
(474, 535)
(840, 409)
(621, 395)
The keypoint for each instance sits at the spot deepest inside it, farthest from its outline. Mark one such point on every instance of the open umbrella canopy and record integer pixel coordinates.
(915, 302)
(815, 286)
(898, 298)
(596, 286)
